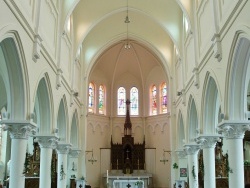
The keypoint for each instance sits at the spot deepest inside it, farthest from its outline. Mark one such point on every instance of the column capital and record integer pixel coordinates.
(19, 129)
(207, 141)
(192, 148)
(74, 152)
(181, 153)
(233, 129)
(47, 141)
(63, 148)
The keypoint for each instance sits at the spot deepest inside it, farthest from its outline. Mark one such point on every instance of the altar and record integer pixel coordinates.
(137, 180)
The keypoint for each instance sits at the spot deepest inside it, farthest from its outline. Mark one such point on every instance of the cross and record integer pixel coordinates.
(80, 186)
(180, 186)
(128, 186)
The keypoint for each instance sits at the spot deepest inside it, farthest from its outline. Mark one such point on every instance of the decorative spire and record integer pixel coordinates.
(127, 124)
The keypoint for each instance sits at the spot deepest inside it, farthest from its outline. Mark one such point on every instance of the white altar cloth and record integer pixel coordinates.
(137, 180)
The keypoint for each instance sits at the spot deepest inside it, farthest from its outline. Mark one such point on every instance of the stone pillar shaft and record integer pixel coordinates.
(18, 151)
(45, 168)
(209, 168)
(208, 142)
(182, 158)
(19, 133)
(234, 132)
(236, 163)
(47, 144)
(192, 151)
(62, 154)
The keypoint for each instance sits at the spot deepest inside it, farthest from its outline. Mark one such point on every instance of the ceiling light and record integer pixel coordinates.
(127, 21)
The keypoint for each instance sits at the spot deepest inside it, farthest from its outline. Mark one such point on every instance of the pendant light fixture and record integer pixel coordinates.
(127, 21)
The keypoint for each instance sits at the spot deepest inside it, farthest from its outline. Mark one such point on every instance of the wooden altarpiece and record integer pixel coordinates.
(127, 156)
(32, 168)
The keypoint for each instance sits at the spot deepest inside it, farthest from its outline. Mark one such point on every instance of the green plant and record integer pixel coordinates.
(246, 163)
(175, 166)
(193, 172)
(138, 183)
(228, 169)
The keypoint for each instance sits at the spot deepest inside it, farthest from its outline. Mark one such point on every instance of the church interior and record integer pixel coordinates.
(124, 94)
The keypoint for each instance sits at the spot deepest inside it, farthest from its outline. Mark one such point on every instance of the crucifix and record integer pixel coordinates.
(180, 186)
(128, 186)
(80, 186)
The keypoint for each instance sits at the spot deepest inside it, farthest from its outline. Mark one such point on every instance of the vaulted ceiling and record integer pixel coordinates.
(154, 32)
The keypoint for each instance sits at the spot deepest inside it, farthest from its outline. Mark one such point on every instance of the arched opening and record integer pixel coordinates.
(61, 122)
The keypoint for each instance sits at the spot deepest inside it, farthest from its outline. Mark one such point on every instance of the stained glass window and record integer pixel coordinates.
(134, 101)
(121, 110)
(91, 97)
(164, 99)
(101, 99)
(153, 100)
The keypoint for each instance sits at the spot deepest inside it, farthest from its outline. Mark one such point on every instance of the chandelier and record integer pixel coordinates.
(127, 21)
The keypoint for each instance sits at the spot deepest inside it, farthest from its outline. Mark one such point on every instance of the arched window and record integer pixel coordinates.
(134, 101)
(91, 97)
(164, 99)
(153, 100)
(121, 102)
(101, 99)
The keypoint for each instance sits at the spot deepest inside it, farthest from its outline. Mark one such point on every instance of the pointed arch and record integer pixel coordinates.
(153, 100)
(13, 76)
(181, 131)
(43, 108)
(91, 97)
(74, 131)
(211, 105)
(62, 120)
(164, 97)
(134, 99)
(237, 77)
(121, 96)
(192, 126)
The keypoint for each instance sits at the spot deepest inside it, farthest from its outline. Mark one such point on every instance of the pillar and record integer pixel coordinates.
(192, 151)
(73, 164)
(208, 144)
(19, 133)
(234, 132)
(182, 158)
(62, 154)
(47, 144)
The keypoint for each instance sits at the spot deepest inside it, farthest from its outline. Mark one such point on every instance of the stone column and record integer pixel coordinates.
(19, 133)
(234, 132)
(73, 164)
(47, 144)
(182, 158)
(62, 154)
(192, 151)
(208, 144)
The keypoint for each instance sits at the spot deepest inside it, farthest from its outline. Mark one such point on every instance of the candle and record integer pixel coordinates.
(107, 176)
